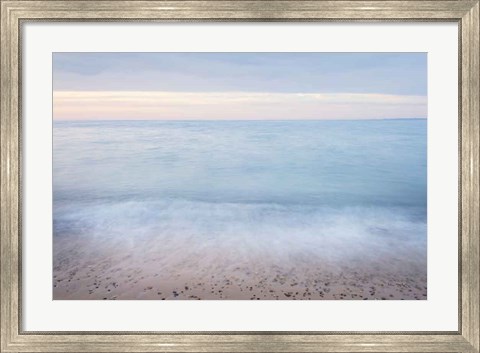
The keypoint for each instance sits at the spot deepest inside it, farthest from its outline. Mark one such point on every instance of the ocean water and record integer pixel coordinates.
(280, 191)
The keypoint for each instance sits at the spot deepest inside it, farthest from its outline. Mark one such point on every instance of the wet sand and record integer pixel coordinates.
(144, 269)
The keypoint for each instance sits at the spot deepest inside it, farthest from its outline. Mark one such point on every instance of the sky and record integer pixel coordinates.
(239, 86)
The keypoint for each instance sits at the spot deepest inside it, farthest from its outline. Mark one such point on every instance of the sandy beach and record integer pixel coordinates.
(121, 270)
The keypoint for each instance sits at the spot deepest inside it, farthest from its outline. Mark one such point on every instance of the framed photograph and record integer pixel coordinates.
(240, 176)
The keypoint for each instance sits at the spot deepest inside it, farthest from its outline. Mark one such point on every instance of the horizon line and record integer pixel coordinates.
(232, 120)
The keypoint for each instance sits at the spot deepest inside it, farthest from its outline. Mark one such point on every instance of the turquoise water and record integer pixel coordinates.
(340, 180)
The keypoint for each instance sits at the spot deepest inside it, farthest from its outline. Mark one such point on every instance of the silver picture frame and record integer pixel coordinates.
(15, 13)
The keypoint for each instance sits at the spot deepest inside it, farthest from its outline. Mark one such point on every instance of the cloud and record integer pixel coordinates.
(386, 73)
(154, 105)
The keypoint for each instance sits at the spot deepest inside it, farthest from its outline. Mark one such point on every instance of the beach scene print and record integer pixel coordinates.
(239, 176)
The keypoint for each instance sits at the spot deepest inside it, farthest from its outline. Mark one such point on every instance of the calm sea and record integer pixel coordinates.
(344, 184)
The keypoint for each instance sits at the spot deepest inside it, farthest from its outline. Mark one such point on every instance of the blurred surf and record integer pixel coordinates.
(285, 192)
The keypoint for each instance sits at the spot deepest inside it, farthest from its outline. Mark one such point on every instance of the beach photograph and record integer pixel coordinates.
(239, 176)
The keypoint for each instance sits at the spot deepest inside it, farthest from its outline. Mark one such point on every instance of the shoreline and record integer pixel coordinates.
(118, 274)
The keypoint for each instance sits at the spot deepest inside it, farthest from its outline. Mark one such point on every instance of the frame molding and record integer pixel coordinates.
(13, 13)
